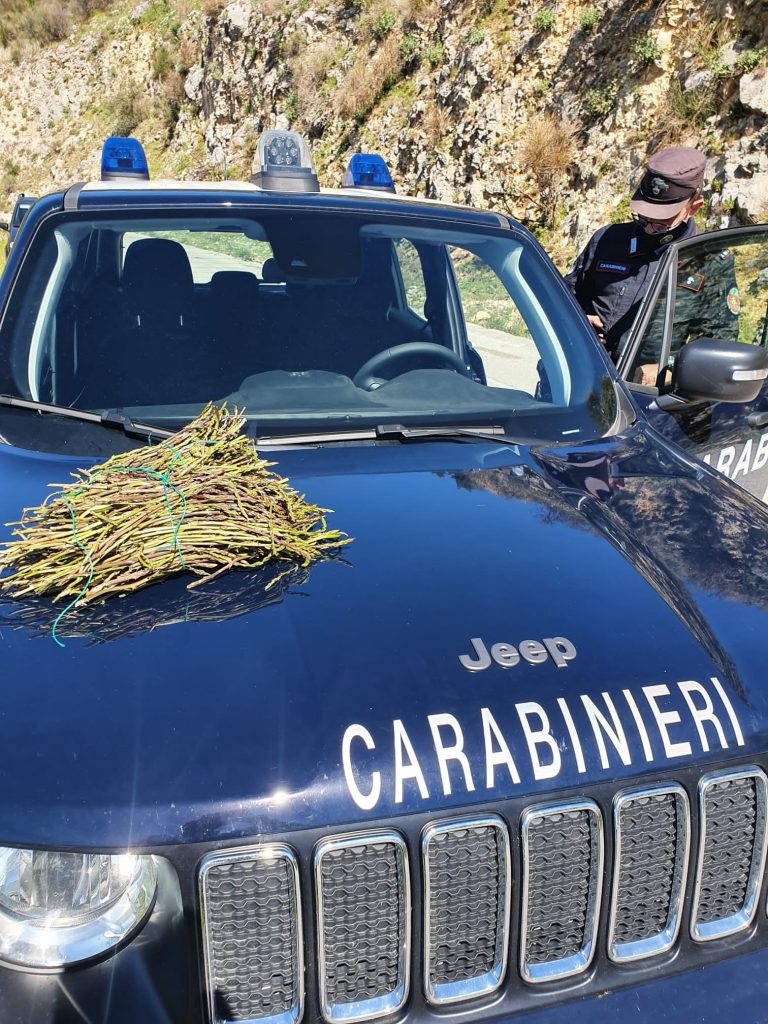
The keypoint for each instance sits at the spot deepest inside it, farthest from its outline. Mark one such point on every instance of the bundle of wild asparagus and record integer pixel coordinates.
(202, 501)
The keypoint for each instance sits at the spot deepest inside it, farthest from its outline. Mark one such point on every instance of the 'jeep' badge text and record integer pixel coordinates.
(535, 652)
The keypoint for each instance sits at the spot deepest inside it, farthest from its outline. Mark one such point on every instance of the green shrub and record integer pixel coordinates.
(384, 24)
(162, 62)
(435, 53)
(621, 212)
(293, 44)
(589, 20)
(750, 59)
(544, 20)
(291, 108)
(601, 100)
(717, 66)
(171, 99)
(694, 106)
(476, 37)
(161, 13)
(409, 47)
(125, 110)
(646, 50)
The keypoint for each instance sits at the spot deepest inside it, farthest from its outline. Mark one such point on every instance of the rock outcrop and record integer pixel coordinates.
(447, 91)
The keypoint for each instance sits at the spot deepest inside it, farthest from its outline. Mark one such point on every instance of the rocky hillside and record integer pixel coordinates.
(542, 108)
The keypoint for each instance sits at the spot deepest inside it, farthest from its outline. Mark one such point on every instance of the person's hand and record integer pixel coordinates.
(646, 374)
(598, 325)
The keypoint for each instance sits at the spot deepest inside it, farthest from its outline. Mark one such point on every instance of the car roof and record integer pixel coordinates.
(158, 192)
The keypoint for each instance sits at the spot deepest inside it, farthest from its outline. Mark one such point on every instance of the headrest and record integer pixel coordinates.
(272, 272)
(235, 288)
(157, 266)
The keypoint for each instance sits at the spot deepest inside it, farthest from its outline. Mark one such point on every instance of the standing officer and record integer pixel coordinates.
(611, 276)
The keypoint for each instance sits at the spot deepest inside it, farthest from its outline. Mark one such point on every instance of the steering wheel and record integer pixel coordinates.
(369, 376)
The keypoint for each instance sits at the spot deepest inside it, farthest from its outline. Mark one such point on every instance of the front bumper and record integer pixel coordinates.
(158, 978)
(150, 983)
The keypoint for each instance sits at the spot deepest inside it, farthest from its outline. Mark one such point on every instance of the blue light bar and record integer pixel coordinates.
(123, 158)
(368, 170)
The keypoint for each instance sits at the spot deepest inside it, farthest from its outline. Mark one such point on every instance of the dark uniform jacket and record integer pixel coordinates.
(611, 276)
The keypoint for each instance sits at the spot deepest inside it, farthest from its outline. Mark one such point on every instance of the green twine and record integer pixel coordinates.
(175, 525)
(87, 554)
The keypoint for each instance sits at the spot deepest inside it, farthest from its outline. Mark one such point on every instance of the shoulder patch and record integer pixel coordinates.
(733, 301)
(691, 282)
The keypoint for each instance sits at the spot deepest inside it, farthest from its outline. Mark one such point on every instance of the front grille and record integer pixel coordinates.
(467, 879)
(252, 935)
(651, 828)
(562, 876)
(732, 807)
(466, 908)
(364, 907)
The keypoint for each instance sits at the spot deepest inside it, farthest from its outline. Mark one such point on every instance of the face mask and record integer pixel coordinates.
(662, 236)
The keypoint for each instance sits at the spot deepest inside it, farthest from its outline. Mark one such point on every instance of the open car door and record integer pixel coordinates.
(696, 358)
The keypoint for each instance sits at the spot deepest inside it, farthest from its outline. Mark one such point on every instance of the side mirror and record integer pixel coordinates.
(4, 225)
(708, 370)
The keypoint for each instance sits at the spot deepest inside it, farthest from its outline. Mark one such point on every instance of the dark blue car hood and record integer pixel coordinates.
(338, 695)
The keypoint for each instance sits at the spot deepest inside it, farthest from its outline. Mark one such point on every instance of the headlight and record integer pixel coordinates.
(59, 908)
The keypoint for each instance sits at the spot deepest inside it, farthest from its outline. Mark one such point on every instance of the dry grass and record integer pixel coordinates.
(369, 77)
(437, 122)
(706, 36)
(43, 21)
(270, 8)
(85, 8)
(548, 148)
(213, 8)
(682, 115)
(309, 72)
(546, 152)
(418, 10)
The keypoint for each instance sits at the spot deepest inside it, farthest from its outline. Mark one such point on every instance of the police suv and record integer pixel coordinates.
(505, 757)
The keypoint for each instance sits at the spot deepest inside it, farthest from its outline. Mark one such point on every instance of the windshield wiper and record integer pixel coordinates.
(112, 418)
(398, 432)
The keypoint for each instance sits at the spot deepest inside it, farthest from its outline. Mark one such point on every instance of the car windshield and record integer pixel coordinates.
(306, 320)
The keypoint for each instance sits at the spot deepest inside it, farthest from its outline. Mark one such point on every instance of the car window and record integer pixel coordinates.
(495, 327)
(721, 291)
(306, 322)
(411, 274)
(649, 351)
(20, 212)
(211, 252)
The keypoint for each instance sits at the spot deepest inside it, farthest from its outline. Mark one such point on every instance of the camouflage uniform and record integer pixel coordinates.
(611, 277)
(707, 304)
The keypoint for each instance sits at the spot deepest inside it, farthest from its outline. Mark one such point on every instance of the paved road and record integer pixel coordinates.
(509, 361)
(205, 263)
